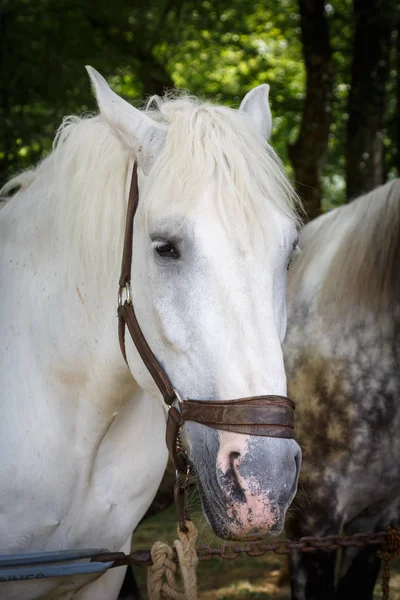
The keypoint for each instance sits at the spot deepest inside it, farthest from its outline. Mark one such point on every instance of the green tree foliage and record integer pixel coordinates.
(44, 47)
(235, 47)
(211, 48)
(218, 49)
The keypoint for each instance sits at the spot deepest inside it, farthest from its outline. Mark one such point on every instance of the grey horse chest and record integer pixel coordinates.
(345, 378)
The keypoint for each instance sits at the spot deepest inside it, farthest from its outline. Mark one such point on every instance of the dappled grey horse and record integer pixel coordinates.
(342, 355)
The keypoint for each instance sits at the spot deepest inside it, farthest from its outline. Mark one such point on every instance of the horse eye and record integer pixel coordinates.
(167, 250)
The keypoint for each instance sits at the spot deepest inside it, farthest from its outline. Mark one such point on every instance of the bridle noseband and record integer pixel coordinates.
(267, 416)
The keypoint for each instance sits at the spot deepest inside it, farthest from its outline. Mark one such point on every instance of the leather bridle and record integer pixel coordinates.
(267, 416)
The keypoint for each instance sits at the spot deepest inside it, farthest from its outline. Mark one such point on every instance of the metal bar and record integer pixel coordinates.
(24, 573)
(37, 558)
(40, 565)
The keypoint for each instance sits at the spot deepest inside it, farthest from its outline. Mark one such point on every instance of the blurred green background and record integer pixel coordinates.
(333, 69)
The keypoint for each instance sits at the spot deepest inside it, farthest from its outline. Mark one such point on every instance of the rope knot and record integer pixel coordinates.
(161, 581)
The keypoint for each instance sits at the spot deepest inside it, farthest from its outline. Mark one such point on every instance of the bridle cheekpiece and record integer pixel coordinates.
(267, 416)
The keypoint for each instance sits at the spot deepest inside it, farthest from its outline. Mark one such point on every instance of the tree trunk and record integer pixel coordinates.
(155, 78)
(397, 138)
(7, 143)
(374, 22)
(308, 153)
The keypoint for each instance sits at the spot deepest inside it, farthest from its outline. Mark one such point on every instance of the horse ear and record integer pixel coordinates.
(137, 131)
(256, 105)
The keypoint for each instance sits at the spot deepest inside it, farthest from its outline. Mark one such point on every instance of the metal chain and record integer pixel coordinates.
(253, 549)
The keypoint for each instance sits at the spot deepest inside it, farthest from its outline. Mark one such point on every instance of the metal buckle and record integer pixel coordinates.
(183, 477)
(178, 397)
(128, 294)
(182, 507)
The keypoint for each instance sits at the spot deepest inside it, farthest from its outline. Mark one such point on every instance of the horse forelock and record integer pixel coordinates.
(363, 269)
(206, 141)
(87, 175)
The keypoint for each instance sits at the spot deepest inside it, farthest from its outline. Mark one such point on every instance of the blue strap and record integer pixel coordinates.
(39, 565)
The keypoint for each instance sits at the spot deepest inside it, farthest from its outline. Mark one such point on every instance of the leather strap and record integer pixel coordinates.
(244, 415)
(133, 202)
(126, 315)
(126, 312)
(268, 416)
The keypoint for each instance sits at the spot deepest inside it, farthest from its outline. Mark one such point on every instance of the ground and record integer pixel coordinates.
(243, 578)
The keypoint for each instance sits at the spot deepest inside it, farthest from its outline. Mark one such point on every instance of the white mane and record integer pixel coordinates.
(364, 269)
(90, 166)
(207, 140)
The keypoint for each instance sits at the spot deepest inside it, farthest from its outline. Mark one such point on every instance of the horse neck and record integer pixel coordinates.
(69, 321)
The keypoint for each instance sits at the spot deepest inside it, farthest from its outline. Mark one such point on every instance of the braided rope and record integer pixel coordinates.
(161, 575)
(188, 560)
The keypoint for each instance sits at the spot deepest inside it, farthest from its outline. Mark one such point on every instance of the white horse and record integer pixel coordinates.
(81, 434)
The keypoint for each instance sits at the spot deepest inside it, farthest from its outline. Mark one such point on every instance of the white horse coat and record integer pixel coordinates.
(81, 434)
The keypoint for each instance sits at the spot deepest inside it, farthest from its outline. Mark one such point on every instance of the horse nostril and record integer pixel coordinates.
(230, 478)
(234, 480)
(233, 458)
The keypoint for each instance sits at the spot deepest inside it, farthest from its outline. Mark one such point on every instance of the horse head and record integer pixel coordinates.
(214, 232)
